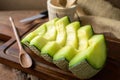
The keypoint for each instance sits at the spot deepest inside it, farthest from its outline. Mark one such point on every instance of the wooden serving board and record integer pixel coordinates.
(48, 71)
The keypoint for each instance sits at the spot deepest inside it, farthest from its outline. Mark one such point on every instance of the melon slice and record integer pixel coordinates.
(39, 41)
(66, 53)
(39, 31)
(89, 62)
(63, 56)
(84, 33)
(52, 47)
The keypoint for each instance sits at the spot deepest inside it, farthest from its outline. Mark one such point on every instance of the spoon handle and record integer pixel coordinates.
(15, 32)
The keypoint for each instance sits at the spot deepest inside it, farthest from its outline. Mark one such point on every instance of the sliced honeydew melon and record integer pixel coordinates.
(49, 50)
(84, 33)
(39, 31)
(51, 30)
(65, 54)
(72, 39)
(52, 47)
(39, 41)
(98, 57)
(89, 62)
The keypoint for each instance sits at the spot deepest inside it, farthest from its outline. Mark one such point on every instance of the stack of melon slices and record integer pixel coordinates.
(70, 46)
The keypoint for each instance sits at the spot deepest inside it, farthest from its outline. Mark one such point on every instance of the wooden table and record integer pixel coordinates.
(41, 68)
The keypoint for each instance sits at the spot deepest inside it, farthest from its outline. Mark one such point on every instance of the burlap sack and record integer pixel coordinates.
(101, 8)
(102, 15)
(109, 27)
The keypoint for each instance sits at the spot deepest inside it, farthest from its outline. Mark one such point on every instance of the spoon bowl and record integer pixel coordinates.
(24, 59)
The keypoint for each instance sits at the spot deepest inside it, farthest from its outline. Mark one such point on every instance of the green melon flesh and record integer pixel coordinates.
(71, 30)
(39, 41)
(63, 56)
(39, 31)
(51, 30)
(84, 33)
(72, 42)
(90, 61)
(68, 52)
(61, 31)
(98, 56)
(52, 46)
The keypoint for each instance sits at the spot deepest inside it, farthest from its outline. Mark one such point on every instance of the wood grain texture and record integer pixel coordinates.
(23, 5)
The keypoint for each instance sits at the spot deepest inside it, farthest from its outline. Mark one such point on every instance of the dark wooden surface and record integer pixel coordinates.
(41, 68)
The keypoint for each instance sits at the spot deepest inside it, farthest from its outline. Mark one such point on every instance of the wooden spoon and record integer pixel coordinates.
(24, 59)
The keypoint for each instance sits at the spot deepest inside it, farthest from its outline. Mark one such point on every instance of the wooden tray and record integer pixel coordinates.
(46, 70)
